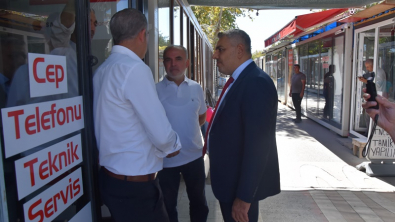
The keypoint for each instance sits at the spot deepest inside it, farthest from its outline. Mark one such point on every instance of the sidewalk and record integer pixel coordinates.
(319, 181)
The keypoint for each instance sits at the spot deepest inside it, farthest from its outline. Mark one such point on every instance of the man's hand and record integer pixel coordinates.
(362, 79)
(240, 210)
(173, 154)
(301, 94)
(386, 112)
(290, 94)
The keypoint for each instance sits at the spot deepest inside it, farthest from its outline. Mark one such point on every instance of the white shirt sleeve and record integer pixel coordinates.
(139, 89)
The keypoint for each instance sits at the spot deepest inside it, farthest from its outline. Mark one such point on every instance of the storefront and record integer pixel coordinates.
(49, 52)
(322, 54)
(373, 41)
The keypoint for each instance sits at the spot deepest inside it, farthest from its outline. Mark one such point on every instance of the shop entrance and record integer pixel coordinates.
(366, 41)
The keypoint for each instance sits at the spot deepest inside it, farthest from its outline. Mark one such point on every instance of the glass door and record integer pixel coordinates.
(366, 41)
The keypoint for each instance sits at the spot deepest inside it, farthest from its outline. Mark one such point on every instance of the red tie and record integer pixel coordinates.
(230, 80)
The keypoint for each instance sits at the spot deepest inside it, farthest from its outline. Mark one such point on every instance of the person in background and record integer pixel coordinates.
(242, 132)
(380, 84)
(298, 83)
(185, 107)
(132, 131)
(60, 35)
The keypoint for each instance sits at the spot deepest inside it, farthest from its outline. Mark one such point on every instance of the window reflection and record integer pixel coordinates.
(365, 44)
(177, 24)
(185, 31)
(338, 63)
(164, 35)
(385, 64)
(326, 86)
(281, 75)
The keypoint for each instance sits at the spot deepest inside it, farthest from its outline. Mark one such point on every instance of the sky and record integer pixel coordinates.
(267, 23)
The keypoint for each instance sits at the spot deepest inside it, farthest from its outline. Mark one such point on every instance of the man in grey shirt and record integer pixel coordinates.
(298, 83)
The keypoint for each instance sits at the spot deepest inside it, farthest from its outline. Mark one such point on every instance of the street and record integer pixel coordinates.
(319, 181)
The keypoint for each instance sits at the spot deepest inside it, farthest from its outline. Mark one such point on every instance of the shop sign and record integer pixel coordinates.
(47, 74)
(36, 170)
(31, 125)
(382, 146)
(290, 57)
(53, 201)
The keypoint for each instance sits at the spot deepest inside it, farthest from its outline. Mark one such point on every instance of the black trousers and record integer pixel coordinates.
(297, 102)
(226, 209)
(194, 177)
(132, 201)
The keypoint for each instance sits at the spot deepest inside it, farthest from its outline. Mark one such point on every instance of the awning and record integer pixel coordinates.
(303, 23)
(369, 12)
(283, 4)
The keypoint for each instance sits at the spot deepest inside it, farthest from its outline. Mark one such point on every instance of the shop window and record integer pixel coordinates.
(185, 30)
(176, 23)
(192, 51)
(185, 40)
(281, 75)
(42, 58)
(338, 75)
(102, 40)
(365, 50)
(164, 35)
(304, 68)
(312, 77)
(385, 63)
(274, 69)
(326, 80)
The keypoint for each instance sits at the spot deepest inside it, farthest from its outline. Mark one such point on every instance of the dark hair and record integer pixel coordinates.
(238, 36)
(126, 24)
(180, 47)
(297, 65)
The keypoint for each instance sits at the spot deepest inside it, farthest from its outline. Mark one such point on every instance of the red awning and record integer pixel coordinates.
(302, 23)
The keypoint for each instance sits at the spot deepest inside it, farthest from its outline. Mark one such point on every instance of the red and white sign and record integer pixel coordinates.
(31, 125)
(49, 204)
(290, 57)
(47, 74)
(36, 170)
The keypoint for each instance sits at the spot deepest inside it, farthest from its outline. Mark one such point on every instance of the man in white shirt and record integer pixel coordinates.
(185, 108)
(132, 132)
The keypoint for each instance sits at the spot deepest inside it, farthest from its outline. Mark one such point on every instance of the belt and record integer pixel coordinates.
(140, 178)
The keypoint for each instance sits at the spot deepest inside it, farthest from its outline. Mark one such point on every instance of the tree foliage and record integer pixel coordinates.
(218, 19)
(256, 54)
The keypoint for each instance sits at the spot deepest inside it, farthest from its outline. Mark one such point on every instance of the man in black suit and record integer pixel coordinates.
(241, 139)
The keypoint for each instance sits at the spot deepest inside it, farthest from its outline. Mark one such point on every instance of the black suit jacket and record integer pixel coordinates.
(242, 140)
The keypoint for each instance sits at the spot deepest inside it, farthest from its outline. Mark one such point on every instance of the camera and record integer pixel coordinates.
(371, 89)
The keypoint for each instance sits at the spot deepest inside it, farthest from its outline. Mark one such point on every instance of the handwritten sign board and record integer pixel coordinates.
(382, 146)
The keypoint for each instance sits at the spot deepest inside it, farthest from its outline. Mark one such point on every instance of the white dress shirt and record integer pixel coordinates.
(183, 105)
(132, 131)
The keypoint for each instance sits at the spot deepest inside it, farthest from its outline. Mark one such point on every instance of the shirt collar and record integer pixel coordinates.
(168, 82)
(125, 51)
(239, 69)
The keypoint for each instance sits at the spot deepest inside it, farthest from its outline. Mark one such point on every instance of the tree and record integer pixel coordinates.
(218, 19)
(256, 54)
